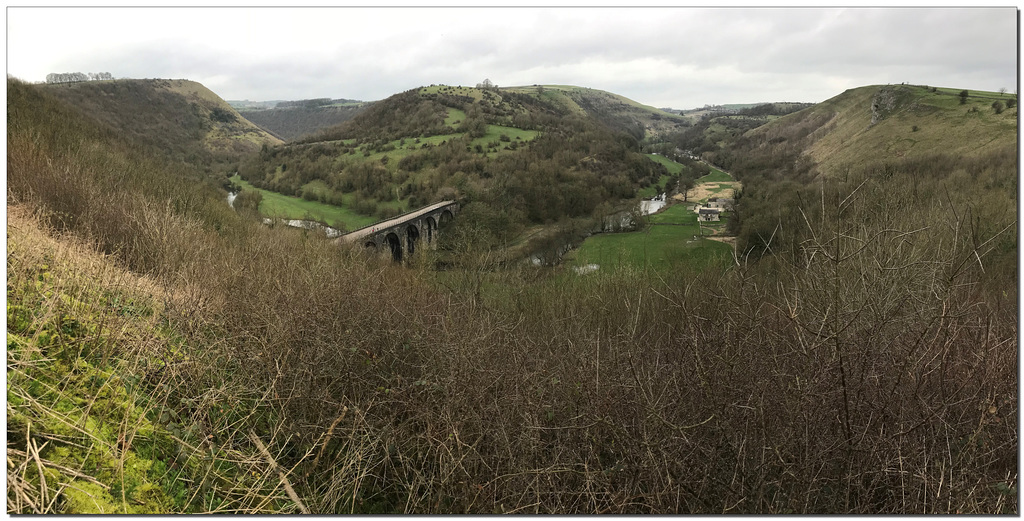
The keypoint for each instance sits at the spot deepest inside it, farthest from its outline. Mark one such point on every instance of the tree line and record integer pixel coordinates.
(75, 77)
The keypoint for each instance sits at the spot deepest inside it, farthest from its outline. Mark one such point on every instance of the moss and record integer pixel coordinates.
(86, 497)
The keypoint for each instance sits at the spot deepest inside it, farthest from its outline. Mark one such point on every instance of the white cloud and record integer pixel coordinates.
(680, 57)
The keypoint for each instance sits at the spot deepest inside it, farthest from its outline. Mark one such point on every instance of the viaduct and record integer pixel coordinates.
(401, 235)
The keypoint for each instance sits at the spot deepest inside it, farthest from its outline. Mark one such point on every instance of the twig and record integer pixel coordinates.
(284, 479)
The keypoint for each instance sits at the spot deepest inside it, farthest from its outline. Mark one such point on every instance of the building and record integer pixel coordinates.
(721, 203)
(708, 214)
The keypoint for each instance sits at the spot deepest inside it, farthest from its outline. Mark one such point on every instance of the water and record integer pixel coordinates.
(649, 206)
(307, 225)
(295, 223)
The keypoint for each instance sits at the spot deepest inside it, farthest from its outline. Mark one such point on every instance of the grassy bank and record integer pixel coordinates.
(281, 206)
(98, 413)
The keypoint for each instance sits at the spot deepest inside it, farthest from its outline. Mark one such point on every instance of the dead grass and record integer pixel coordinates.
(702, 192)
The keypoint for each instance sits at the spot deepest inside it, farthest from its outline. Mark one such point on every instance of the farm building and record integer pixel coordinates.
(721, 203)
(708, 214)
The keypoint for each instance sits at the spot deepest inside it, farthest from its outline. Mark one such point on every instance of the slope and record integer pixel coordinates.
(880, 123)
(614, 110)
(182, 118)
(904, 154)
(297, 119)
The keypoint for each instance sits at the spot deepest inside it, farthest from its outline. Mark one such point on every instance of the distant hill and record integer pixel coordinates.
(618, 112)
(880, 123)
(918, 157)
(182, 118)
(290, 120)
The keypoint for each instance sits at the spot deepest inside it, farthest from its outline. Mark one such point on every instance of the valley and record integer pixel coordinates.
(820, 317)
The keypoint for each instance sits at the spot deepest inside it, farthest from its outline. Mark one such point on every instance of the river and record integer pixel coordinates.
(294, 223)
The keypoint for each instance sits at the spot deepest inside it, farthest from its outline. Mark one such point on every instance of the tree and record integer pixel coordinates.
(685, 185)
(998, 106)
(963, 97)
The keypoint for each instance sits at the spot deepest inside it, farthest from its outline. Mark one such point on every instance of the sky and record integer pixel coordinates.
(677, 57)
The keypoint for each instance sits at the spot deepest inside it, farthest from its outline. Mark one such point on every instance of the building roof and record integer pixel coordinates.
(709, 210)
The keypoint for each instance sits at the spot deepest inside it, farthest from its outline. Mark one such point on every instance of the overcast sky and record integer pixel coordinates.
(665, 57)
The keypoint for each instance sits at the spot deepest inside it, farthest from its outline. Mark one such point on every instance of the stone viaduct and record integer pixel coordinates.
(402, 235)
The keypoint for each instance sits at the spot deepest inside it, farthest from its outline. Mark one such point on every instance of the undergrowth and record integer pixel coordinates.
(168, 355)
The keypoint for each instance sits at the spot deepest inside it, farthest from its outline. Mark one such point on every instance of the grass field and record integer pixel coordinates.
(716, 176)
(455, 116)
(658, 247)
(276, 205)
(670, 165)
(672, 239)
(494, 132)
(675, 214)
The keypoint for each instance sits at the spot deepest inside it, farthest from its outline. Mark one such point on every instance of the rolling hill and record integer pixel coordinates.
(535, 154)
(297, 119)
(920, 153)
(877, 124)
(181, 118)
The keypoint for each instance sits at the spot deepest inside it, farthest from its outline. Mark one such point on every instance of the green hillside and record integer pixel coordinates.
(919, 151)
(881, 123)
(908, 122)
(539, 154)
(642, 121)
(180, 118)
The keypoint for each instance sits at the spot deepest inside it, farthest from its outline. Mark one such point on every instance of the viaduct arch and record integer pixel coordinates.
(401, 236)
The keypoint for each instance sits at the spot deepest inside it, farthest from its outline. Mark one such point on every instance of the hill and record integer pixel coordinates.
(616, 111)
(292, 120)
(876, 124)
(918, 149)
(181, 118)
(533, 154)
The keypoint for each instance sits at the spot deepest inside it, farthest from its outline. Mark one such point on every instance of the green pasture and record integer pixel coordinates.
(455, 116)
(670, 165)
(672, 239)
(716, 176)
(675, 214)
(657, 246)
(494, 133)
(281, 206)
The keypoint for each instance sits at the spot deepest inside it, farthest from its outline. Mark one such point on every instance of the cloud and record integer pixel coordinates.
(679, 57)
